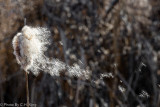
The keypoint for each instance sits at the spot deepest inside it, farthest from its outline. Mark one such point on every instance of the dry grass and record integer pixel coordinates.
(117, 37)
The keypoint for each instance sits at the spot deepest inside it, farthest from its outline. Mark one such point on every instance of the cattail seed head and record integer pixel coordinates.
(29, 46)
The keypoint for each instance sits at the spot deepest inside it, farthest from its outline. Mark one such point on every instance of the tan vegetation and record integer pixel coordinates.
(103, 36)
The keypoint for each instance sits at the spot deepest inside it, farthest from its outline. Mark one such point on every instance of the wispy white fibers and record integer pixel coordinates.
(29, 46)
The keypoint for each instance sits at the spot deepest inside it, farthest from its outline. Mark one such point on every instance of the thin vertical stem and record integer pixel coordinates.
(24, 21)
(27, 89)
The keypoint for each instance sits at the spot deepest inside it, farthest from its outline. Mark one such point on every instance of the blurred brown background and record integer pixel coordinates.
(121, 37)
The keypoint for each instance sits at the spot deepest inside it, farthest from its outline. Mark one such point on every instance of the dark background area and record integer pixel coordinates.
(121, 37)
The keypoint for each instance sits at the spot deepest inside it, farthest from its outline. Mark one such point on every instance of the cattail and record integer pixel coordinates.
(29, 46)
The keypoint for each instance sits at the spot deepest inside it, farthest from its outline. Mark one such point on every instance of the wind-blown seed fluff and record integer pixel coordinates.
(29, 46)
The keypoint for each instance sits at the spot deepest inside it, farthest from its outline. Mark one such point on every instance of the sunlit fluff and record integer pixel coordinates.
(29, 46)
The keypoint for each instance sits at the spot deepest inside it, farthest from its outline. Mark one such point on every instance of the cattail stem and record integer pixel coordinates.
(27, 89)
